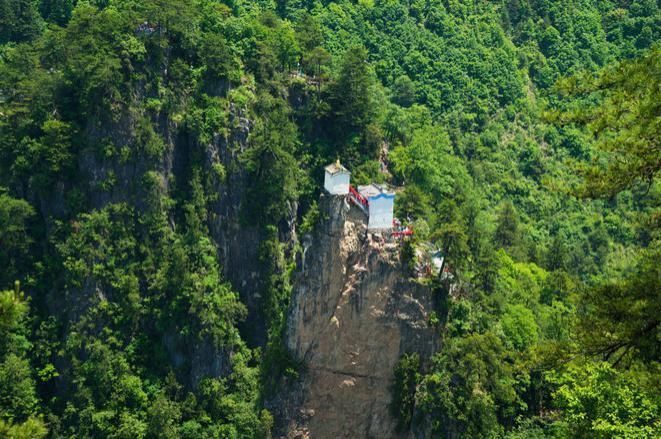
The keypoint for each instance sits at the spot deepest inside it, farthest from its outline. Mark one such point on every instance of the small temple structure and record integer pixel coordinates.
(381, 205)
(377, 201)
(337, 179)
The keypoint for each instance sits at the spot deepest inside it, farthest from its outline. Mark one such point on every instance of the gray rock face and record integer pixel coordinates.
(353, 314)
(237, 244)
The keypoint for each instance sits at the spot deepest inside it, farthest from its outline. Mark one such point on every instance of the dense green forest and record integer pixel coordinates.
(526, 135)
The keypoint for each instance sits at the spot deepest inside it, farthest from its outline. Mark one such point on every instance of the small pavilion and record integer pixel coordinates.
(337, 179)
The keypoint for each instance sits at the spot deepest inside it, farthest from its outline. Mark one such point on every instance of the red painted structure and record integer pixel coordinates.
(407, 231)
(362, 200)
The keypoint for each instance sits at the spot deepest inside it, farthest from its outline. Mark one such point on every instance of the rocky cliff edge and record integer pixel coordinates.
(353, 313)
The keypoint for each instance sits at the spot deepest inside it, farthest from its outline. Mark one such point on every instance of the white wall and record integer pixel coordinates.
(381, 212)
(337, 184)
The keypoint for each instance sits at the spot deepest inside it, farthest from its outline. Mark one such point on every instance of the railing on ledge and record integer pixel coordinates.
(401, 233)
(359, 200)
(398, 231)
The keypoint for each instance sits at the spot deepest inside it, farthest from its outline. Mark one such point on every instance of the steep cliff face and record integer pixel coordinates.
(354, 312)
(237, 244)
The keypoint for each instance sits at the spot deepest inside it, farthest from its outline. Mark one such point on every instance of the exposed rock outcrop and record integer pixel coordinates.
(238, 243)
(353, 314)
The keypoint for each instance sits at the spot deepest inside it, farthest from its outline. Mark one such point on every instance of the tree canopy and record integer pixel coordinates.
(161, 160)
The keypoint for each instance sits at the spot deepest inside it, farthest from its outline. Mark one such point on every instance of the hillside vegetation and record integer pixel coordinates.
(525, 134)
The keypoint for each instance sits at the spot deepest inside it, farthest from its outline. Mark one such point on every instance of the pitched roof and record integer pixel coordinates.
(336, 167)
(375, 190)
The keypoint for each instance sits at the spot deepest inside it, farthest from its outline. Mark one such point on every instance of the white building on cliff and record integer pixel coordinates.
(337, 178)
(381, 204)
(375, 200)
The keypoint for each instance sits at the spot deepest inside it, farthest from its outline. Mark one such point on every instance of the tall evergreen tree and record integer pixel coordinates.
(350, 93)
(19, 20)
(507, 229)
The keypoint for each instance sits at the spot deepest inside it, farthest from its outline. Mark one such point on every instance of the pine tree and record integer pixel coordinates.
(350, 94)
(507, 230)
(19, 20)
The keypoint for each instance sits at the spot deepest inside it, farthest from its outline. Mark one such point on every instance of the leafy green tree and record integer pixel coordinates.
(429, 163)
(164, 418)
(219, 59)
(623, 117)
(403, 91)
(621, 313)
(15, 238)
(413, 203)
(518, 282)
(286, 46)
(471, 387)
(622, 317)
(452, 239)
(316, 61)
(308, 32)
(57, 11)
(273, 167)
(30, 429)
(599, 401)
(520, 327)
(557, 257)
(18, 398)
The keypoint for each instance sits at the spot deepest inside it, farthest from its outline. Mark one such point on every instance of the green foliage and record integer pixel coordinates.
(132, 132)
(470, 388)
(58, 11)
(19, 20)
(350, 94)
(519, 282)
(31, 429)
(273, 167)
(506, 234)
(277, 290)
(623, 313)
(18, 398)
(520, 327)
(407, 376)
(15, 239)
(620, 108)
(12, 312)
(404, 91)
(310, 219)
(428, 162)
(351, 100)
(600, 401)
